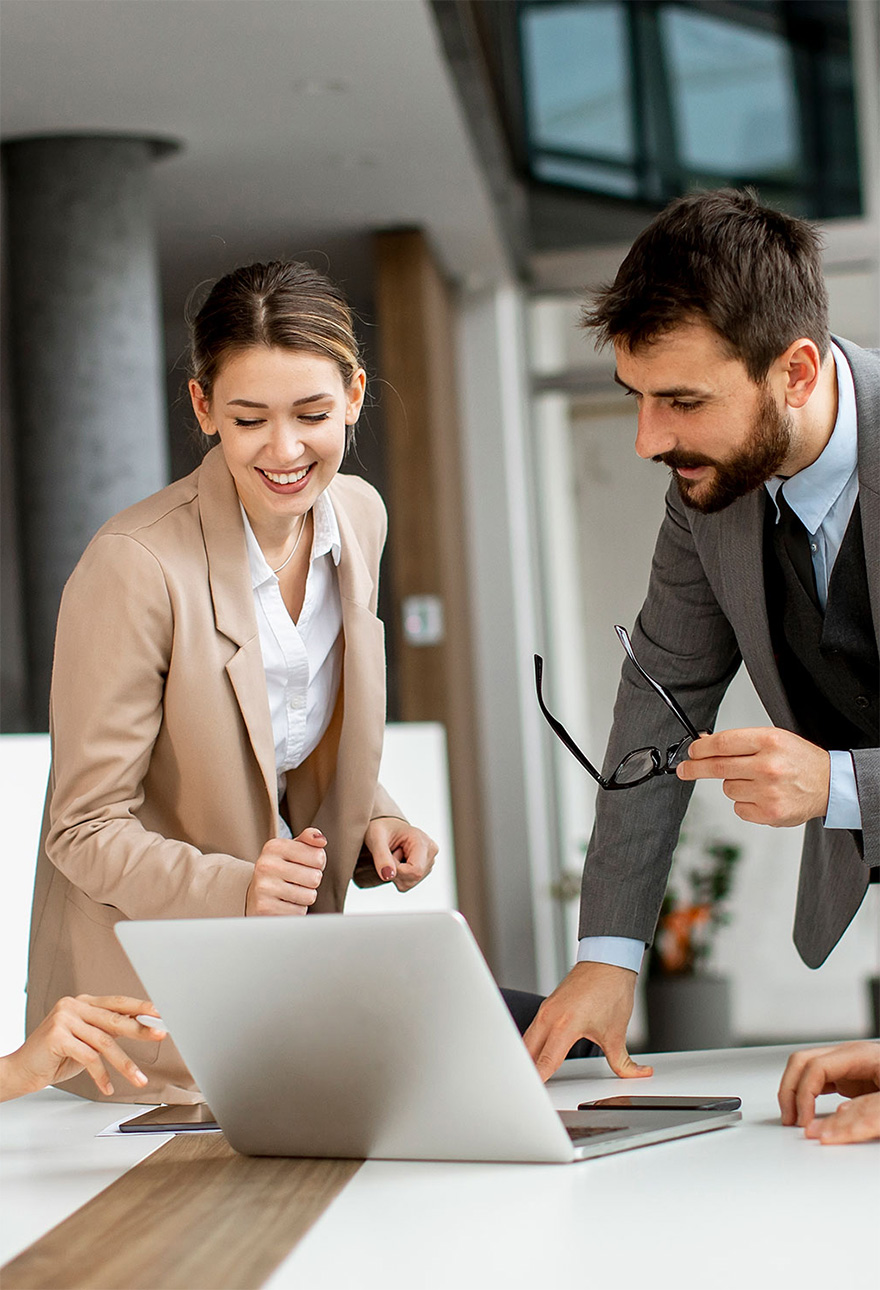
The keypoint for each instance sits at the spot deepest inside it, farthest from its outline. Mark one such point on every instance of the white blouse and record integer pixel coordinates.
(303, 659)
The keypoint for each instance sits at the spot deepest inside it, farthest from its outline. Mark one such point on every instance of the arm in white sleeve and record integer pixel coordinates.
(619, 951)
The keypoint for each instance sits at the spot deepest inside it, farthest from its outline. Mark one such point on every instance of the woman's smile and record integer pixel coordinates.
(286, 482)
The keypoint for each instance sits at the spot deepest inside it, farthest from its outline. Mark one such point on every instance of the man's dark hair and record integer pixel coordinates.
(751, 272)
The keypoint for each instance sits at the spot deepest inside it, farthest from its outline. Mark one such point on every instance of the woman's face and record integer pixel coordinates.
(282, 417)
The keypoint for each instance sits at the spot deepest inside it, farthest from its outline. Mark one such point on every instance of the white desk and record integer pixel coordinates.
(756, 1205)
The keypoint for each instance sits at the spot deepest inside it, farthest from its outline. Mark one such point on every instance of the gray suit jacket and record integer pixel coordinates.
(704, 614)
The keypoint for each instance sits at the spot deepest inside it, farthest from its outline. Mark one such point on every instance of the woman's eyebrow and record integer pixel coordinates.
(297, 403)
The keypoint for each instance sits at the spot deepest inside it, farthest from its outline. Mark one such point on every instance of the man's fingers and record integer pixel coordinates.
(623, 1065)
(730, 743)
(548, 1044)
(536, 1036)
(552, 1055)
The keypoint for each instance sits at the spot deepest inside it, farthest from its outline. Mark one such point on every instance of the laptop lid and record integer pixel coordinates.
(359, 1036)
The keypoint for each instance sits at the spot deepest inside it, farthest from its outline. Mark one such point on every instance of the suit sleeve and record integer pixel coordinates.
(113, 644)
(682, 638)
(867, 767)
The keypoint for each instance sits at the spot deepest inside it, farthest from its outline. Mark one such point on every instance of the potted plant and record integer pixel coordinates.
(687, 1005)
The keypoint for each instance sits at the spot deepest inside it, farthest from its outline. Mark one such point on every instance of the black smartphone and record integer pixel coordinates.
(628, 1102)
(172, 1119)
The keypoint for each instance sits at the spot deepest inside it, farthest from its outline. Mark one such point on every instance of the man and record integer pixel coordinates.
(718, 318)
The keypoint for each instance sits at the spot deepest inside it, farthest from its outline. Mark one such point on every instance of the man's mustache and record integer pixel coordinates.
(685, 460)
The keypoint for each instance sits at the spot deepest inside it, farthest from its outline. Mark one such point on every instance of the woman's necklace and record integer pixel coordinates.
(295, 545)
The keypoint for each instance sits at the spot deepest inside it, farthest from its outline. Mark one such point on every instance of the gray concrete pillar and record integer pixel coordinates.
(84, 328)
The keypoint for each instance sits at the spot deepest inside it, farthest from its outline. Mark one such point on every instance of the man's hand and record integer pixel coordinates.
(595, 1001)
(853, 1071)
(771, 775)
(287, 875)
(402, 854)
(78, 1035)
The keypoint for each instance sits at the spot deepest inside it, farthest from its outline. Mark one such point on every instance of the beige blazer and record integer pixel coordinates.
(162, 789)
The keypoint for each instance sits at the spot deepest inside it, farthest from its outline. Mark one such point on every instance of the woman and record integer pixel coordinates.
(218, 694)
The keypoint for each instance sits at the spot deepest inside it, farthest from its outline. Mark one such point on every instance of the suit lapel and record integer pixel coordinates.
(865, 368)
(738, 535)
(233, 600)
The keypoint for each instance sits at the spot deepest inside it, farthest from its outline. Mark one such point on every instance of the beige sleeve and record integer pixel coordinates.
(384, 805)
(114, 640)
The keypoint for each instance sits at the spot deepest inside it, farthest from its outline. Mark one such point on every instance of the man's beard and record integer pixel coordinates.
(758, 460)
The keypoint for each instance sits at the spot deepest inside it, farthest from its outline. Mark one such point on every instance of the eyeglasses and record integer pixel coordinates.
(642, 764)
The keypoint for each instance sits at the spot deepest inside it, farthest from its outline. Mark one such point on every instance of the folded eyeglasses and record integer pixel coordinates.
(643, 763)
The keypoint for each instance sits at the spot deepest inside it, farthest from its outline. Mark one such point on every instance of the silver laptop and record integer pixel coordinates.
(365, 1036)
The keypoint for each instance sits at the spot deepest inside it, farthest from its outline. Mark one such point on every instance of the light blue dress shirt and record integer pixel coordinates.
(822, 496)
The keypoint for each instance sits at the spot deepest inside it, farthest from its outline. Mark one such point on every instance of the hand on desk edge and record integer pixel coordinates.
(595, 1001)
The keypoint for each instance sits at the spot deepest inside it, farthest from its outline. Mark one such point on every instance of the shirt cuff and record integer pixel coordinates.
(844, 811)
(619, 951)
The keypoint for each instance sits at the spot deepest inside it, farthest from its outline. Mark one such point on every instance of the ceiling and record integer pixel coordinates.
(303, 125)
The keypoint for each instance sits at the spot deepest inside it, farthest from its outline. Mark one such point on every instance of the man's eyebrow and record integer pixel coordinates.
(674, 391)
(297, 403)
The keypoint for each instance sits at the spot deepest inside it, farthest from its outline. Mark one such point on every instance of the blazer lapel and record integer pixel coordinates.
(362, 732)
(865, 368)
(740, 555)
(233, 599)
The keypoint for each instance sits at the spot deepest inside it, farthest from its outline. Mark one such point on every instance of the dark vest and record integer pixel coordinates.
(828, 663)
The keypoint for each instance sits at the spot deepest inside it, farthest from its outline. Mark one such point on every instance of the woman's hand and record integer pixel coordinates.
(287, 875)
(78, 1035)
(401, 853)
(853, 1071)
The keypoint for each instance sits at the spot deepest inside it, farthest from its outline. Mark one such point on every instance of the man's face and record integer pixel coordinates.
(702, 415)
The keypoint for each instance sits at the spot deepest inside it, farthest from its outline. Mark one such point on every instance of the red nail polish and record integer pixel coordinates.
(387, 873)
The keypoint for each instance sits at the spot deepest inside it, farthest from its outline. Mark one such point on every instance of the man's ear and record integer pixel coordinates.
(202, 408)
(799, 368)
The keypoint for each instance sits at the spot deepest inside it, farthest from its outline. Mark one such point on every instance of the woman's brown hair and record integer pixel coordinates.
(284, 304)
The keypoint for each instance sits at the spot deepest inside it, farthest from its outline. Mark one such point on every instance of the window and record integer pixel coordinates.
(644, 99)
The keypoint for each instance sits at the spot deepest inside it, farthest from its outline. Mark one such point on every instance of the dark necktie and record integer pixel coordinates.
(792, 540)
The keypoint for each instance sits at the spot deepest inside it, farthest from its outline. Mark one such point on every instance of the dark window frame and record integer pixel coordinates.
(817, 33)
